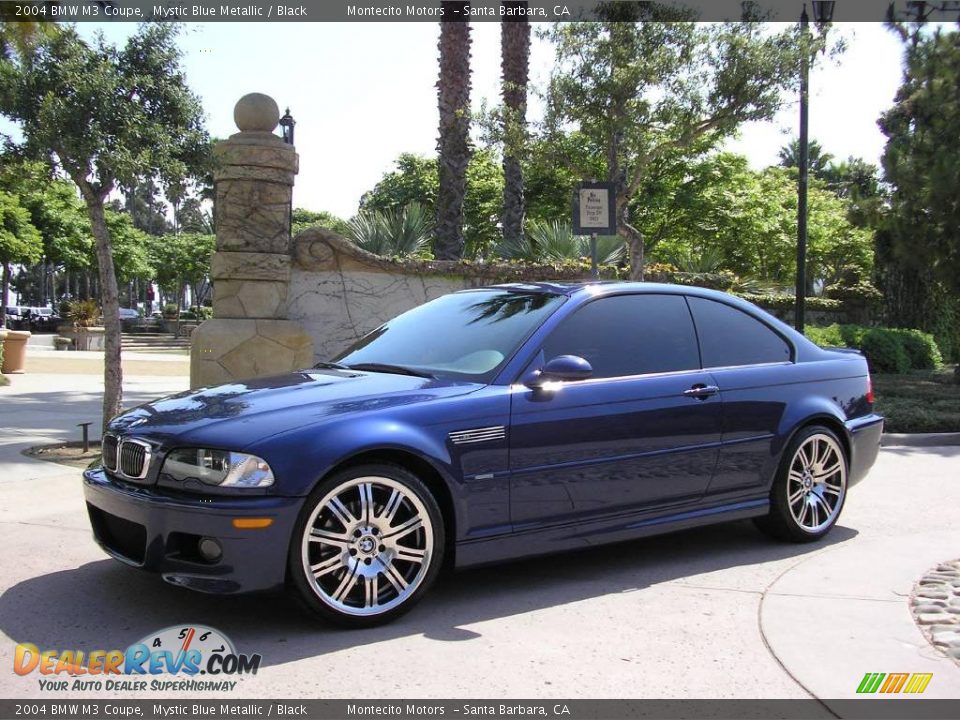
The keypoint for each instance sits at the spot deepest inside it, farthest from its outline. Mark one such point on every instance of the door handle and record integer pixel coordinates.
(701, 391)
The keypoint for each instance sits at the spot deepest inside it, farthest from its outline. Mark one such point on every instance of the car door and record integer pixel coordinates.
(641, 432)
(749, 362)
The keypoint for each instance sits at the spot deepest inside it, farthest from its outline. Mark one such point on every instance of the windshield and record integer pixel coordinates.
(467, 335)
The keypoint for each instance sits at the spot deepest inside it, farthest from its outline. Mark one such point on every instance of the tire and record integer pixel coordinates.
(368, 544)
(810, 487)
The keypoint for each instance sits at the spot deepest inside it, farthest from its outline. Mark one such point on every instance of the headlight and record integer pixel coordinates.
(217, 467)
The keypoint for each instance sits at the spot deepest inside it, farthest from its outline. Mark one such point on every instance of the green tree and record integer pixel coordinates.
(303, 219)
(55, 211)
(416, 179)
(643, 91)
(20, 241)
(179, 261)
(918, 248)
(453, 142)
(109, 118)
(818, 161)
(857, 183)
(719, 208)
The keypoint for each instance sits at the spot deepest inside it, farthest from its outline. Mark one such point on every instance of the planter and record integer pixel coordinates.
(62, 343)
(84, 338)
(15, 351)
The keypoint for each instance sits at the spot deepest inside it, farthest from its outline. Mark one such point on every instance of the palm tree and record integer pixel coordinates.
(515, 69)
(453, 148)
(819, 161)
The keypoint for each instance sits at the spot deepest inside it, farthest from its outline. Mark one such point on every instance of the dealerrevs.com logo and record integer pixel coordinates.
(179, 650)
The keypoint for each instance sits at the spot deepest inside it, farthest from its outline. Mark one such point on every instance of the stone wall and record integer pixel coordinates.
(338, 292)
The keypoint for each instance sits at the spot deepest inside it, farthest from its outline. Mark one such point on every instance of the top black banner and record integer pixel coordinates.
(474, 11)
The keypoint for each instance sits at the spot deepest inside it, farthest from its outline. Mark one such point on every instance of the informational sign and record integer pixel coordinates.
(594, 209)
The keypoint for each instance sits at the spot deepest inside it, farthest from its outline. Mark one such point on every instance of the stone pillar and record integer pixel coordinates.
(249, 334)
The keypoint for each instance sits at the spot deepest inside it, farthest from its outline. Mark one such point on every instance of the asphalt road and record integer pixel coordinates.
(709, 613)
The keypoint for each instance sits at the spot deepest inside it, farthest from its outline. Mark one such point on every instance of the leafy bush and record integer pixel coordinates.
(829, 336)
(862, 290)
(554, 241)
(886, 347)
(393, 233)
(884, 351)
(921, 348)
(170, 310)
(84, 313)
(197, 313)
(710, 260)
(774, 301)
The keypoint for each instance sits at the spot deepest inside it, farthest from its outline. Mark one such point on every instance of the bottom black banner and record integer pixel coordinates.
(868, 709)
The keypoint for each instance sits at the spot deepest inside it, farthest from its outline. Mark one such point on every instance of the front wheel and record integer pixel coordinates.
(810, 487)
(368, 544)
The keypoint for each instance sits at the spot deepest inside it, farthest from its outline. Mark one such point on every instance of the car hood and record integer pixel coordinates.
(237, 414)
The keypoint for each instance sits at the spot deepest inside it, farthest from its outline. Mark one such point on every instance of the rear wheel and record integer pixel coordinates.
(368, 544)
(810, 488)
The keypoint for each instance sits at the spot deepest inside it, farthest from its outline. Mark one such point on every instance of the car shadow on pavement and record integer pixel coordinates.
(105, 605)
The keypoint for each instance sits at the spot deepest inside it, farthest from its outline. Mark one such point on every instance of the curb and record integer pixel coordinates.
(920, 439)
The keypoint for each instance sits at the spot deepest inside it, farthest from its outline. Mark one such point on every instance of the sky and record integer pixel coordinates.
(363, 93)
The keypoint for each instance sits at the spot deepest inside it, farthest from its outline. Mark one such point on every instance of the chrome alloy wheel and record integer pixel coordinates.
(816, 482)
(367, 546)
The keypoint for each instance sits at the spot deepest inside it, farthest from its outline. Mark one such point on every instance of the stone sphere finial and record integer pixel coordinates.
(256, 112)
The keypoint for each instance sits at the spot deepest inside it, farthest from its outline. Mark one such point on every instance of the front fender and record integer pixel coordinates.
(301, 459)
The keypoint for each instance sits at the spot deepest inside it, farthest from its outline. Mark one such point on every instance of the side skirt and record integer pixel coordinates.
(545, 541)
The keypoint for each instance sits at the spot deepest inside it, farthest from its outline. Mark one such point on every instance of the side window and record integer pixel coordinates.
(729, 336)
(629, 335)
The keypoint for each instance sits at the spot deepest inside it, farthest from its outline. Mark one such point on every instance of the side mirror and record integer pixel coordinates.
(561, 368)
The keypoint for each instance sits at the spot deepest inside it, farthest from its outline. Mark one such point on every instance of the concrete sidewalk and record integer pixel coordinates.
(46, 361)
(691, 614)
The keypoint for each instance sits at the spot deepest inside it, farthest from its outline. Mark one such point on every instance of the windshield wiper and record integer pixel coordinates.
(330, 366)
(387, 368)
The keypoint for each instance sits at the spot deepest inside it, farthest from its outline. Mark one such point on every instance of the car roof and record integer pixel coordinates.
(608, 287)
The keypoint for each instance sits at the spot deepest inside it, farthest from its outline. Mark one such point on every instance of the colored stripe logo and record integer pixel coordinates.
(913, 683)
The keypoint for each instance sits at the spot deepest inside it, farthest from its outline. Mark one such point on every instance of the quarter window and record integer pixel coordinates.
(629, 335)
(729, 336)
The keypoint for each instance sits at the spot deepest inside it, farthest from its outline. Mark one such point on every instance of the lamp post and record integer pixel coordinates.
(822, 14)
(287, 124)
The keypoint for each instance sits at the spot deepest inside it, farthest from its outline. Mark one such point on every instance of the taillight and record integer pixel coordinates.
(869, 390)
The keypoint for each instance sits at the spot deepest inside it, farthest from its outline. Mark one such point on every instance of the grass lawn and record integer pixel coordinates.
(919, 401)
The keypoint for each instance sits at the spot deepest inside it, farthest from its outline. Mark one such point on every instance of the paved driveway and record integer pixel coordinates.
(714, 612)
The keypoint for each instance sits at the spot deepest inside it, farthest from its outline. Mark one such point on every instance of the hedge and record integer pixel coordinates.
(888, 350)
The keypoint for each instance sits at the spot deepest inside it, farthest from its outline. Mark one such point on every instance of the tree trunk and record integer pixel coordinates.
(109, 295)
(453, 101)
(635, 244)
(3, 294)
(515, 69)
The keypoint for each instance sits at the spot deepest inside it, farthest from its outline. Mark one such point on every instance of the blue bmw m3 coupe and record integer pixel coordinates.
(488, 424)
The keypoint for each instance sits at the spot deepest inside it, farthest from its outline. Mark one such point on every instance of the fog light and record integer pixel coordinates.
(210, 549)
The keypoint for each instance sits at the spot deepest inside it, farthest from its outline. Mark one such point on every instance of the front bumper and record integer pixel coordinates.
(161, 534)
(864, 434)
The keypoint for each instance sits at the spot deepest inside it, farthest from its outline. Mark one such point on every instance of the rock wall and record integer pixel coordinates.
(338, 292)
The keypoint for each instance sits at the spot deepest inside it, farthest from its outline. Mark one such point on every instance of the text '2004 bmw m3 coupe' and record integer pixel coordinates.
(488, 424)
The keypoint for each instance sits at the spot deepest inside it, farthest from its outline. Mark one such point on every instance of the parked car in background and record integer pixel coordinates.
(13, 317)
(488, 424)
(44, 319)
(32, 318)
(129, 314)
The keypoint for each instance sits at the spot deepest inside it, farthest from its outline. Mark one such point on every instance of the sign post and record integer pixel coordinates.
(595, 213)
